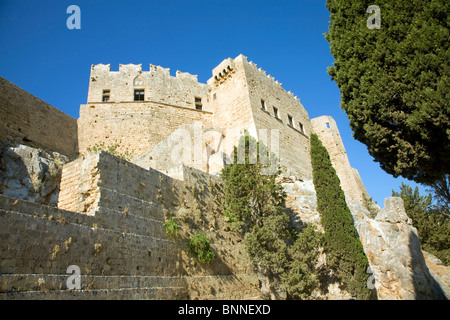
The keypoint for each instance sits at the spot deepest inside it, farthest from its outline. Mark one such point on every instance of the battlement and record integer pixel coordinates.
(223, 70)
(102, 70)
(132, 83)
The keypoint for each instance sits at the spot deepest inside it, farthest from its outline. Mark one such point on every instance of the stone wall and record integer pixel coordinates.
(230, 102)
(136, 126)
(291, 119)
(28, 120)
(237, 91)
(157, 83)
(326, 128)
(117, 239)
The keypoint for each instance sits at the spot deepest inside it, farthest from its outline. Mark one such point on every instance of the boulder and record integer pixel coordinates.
(393, 248)
(30, 174)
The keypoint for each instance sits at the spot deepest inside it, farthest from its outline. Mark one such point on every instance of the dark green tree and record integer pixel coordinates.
(301, 277)
(395, 82)
(344, 250)
(255, 203)
(249, 195)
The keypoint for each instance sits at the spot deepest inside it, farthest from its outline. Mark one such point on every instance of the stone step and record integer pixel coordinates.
(10, 283)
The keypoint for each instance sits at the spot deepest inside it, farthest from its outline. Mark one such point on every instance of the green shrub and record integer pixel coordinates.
(171, 227)
(112, 149)
(199, 246)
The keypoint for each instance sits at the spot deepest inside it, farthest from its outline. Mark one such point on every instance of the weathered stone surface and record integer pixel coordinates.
(439, 271)
(30, 174)
(25, 119)
(393, 249)
(301, 199)
(118, 240)
(231, 102)
(326, 128)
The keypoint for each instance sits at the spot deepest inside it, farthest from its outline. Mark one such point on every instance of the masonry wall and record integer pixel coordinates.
(230, 101)
(117, 239)
(158, 84)
(294, 146)
(326, 128)
(26, 119)
(137, 126)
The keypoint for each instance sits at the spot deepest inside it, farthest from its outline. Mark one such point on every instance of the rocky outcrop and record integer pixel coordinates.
(301, 199)
(397, 265)
(392, 246)
(439, 271)
(30, 174)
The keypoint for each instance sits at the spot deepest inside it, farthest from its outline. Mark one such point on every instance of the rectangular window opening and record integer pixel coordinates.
(198, 103)
(263, 104)
(328, 125)
(139, 95)
(301, 127)
(106, 95)
(275, 112)
(290, 121)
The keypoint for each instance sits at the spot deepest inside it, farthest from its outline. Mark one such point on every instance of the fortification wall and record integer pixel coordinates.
(274, 108)
(117, 239)
(28, 120)
(157, 83)
(326, 128)
(137, 126)
(230, 102)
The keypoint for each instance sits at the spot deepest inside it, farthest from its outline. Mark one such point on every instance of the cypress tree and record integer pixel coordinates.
(344, 250)
(395, 81)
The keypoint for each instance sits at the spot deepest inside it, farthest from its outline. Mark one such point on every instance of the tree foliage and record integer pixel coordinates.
(395, 81)
(342, 246)
(277, 249)
(249, 195)
(432, 222)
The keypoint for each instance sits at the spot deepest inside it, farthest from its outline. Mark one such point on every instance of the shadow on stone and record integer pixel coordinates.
(425, 286)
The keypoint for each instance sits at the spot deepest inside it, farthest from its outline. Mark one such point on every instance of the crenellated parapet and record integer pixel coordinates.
(131, 83)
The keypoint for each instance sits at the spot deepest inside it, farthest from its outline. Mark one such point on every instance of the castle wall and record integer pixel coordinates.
(233, 97)
(137, 126)
(237, 88)
(26, 119)
(158, 84)
(294, 147)
(230, 101)
(326, 128)
(118, 240)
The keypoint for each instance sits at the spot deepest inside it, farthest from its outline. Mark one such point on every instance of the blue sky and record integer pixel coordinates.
(41, 55)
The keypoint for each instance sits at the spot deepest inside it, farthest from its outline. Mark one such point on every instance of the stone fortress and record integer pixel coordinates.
(62, 205)
(143, 110)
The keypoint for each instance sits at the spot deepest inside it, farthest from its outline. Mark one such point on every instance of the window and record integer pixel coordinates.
(214, 96)
(290, 122)
(198, 103)
(275, 112)
(328, 125)
(301, 127)
(139, 95)
(263, 104)
(105, 97)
